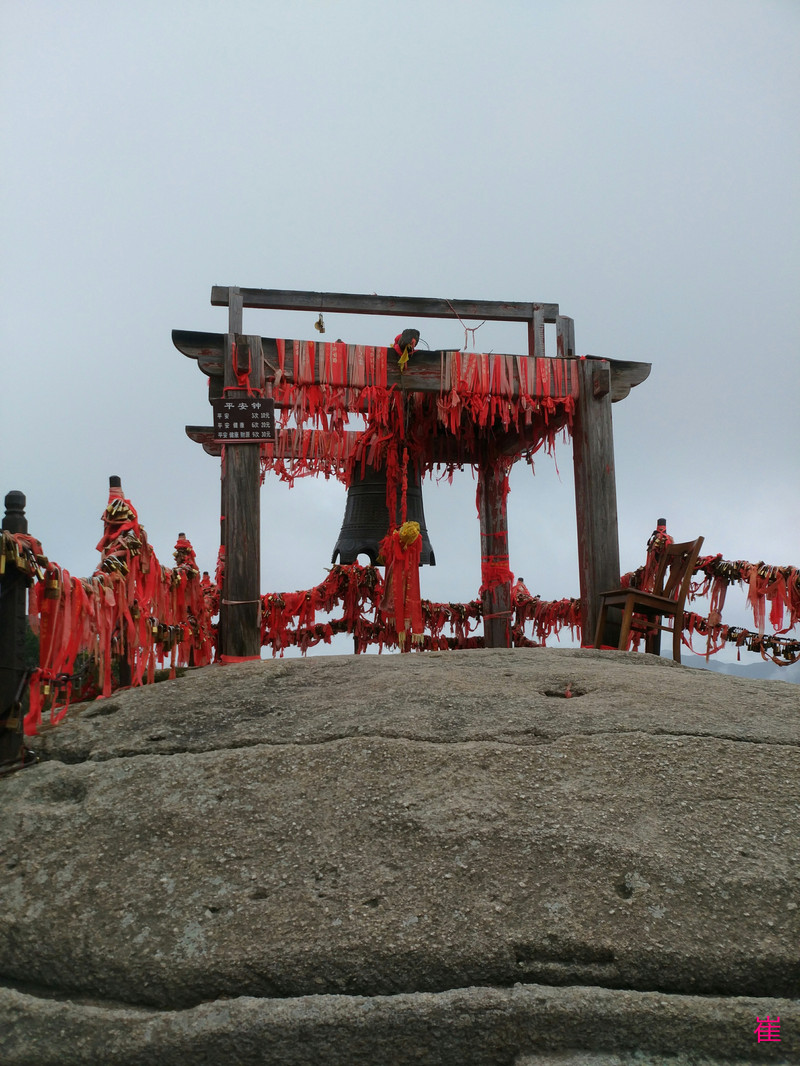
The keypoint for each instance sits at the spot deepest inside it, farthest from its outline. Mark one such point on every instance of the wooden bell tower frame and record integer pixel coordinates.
(599, 383)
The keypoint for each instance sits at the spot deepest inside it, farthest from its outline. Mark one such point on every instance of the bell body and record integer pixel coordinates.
(366, 517)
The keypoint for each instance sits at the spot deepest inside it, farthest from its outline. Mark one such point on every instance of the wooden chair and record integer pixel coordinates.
(643, 612)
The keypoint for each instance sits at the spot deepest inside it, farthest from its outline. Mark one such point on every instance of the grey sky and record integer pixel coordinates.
(635, 162)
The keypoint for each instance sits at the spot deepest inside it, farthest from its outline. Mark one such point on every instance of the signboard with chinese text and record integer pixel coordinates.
(244, 420)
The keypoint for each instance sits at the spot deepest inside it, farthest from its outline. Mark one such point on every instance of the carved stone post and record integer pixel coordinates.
(13, 620)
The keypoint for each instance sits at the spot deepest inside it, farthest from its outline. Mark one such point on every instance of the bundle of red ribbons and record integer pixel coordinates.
(132, 610)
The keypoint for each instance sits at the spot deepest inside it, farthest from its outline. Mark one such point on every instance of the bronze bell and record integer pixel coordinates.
(366, 516)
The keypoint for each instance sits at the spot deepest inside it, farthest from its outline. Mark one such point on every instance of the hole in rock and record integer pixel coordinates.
(566, 691)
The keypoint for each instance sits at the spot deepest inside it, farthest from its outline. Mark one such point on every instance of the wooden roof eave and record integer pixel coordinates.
(422, 374)
(445, 449)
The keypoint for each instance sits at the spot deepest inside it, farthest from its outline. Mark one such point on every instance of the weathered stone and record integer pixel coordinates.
(400, 827)
(527, 1025)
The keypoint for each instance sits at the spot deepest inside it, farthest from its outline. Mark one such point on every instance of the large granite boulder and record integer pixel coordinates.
(449, 857)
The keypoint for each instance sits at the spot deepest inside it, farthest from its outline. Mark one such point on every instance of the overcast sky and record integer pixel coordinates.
(635, 162)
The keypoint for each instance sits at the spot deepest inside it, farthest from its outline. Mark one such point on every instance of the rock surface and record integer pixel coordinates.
(430, 854)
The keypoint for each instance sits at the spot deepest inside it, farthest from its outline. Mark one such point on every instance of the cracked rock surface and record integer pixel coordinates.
(402, 826)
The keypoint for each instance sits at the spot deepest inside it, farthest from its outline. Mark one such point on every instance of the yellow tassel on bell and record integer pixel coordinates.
(408, 533)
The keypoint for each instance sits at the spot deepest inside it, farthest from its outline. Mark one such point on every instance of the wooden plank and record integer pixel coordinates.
(372, 304)
(444, 448)
(565, 337)
(422, 376)
(595, 497)
(240, 612)
(495, 602)
(235, 304)
(538, 333)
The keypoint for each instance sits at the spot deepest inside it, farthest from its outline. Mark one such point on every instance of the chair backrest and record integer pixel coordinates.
(675, 569)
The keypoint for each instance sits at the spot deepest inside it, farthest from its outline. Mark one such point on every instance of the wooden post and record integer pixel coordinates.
(223, 549)
(565, 337)
(13, 611)
(235, 325)
(595, 491)
(496, 602)
(240, 611)
(235, 305)
(536, 330)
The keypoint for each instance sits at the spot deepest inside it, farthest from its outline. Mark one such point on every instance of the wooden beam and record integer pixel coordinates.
(372, 304)
(422, 374)
(444, 448)
(240, 613)
(424, 370)
(595, 491)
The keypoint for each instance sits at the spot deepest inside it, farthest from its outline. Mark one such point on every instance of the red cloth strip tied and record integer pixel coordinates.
(401, 550)
(476, 398)
(494, 572)
(131, 610)
(358, 588)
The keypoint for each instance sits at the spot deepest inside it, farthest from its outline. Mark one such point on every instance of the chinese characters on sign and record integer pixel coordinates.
(768, 1028)
(247, 420)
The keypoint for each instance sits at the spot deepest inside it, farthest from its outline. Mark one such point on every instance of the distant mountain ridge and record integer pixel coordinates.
(759, 671)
